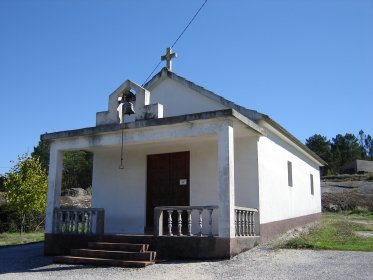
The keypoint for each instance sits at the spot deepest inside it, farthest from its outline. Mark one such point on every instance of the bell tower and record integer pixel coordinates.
(129, 99)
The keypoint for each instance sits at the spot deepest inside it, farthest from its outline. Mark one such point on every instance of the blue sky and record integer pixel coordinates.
(307, 64)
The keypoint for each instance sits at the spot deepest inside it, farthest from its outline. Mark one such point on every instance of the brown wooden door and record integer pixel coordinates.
(167, 182)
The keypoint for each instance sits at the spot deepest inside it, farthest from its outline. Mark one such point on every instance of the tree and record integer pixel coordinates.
(344, 150)
(42, 152)
(77, 170)
(26, 187)
(321, 146)
(366, 144)
(77, 166)
(369, 146)
(2, 179)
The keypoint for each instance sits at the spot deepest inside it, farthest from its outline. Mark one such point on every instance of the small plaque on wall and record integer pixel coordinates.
(183, 182)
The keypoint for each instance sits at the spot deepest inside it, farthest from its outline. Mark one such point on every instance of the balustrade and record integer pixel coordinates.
(78, 221)
(158, 219)
(245, 221)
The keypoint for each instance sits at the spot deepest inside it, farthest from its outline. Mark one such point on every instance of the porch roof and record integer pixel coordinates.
(155, 122)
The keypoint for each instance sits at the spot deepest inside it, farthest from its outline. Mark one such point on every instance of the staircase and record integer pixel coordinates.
(110, 254)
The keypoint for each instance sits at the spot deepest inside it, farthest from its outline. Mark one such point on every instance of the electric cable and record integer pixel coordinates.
(181, 34)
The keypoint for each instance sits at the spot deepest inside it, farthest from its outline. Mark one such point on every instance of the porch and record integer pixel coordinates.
(200, 159)
(77, 232)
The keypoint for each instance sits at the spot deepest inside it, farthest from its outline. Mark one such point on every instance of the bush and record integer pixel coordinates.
(10, 220)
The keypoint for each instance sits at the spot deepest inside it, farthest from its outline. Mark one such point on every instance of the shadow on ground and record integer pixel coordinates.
(29, 258)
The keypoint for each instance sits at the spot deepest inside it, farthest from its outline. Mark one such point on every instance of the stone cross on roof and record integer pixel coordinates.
(169, 56)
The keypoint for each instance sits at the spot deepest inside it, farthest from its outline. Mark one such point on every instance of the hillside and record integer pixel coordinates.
(347, 192)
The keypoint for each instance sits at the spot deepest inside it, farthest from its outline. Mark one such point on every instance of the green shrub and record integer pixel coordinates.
(10, 220)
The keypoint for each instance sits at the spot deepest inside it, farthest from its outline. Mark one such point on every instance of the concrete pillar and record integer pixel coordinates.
(142, 99)
(54, 185)
(226, 181)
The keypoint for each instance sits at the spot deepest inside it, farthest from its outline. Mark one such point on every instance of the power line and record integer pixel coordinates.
(181, 34)
(190, 22)
(155, 68)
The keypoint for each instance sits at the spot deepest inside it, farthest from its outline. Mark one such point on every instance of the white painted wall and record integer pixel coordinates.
(123, 192)
(278, 201)
(119, 191)
(178, 99)
(246, 172)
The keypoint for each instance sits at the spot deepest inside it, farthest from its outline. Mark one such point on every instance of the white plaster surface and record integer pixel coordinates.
(278, 201)
(226, 181)
(246, 172)
(54, 185)
(178, 99)
(123, 192)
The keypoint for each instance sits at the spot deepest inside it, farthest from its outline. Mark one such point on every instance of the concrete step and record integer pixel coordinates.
(128, 247)
(120, 255)
(100, 261)
(121, 238)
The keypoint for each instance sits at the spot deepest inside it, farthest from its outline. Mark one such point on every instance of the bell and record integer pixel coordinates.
(128, 108)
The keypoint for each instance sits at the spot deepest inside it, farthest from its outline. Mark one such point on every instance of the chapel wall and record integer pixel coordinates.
(177, 99)
(278, 200)
(122, 192)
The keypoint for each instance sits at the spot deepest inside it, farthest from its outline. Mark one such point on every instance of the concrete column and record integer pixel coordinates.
(54, 185)
(226, 181)
(142, 100)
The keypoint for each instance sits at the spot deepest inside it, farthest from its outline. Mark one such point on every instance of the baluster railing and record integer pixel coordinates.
(170, 222)
(210, 221)
(189, 211)
(200, 220)
(179, 222)
(245, 221)
(200, 210)
(78, 221)
(252, 224)
(239, 222)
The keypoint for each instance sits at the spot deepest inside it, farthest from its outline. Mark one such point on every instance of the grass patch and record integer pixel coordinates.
(336, 231)
(15, 238)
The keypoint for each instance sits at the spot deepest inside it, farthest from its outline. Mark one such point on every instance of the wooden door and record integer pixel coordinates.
(167, 182)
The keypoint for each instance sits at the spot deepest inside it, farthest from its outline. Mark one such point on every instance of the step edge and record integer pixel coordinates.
(101, 259)
(112, 251)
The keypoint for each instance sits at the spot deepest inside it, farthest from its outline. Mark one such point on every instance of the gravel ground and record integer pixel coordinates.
(28, 262)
